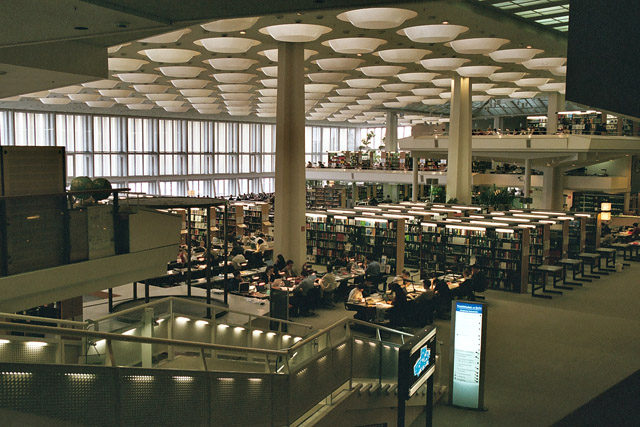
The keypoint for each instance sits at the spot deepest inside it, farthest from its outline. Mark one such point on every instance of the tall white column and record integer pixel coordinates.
(391, 137)
(414, 186)
(552, 188)
(527, 178)
(290, 204)
(555, 104)
(498, 123)
(459, 154)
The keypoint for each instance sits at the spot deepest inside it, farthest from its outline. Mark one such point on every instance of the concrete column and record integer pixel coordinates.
(552, 188)
(391, 137)
(555, 104)
(459, 154)
(414, 182)
(498, 123)
(290, 204)
(527, 178)
(354, 194)
(146, 350)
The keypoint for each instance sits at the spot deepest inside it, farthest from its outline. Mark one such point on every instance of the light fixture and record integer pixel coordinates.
(383, 95)
(137, 77)
(445, 95)
(506, 77)
(477, 70)
(552, 87)
(402, 56)
(351, 92)
(129, 100)
(182, 319)
(270, 83)
(544, 63)
(271, 71)
(82, 97)
(532, 82)
(416, 77)
(523, 94)
(268, 92)
(170, 103)
(353, 45)
(327, 77)
(477, 46)
(66, 90)
(176, 109)
(266, 114)
(443, 64)
(369, 101)
(559, 71)
(514, 56)
(482, 87)
(101, 84)
(227, 44)
(381, 70)
(236, 96)
(113, 93)
(501, 91)
(151, 88)
(161, 96)
(55, 101)
(190, 83)
(446, 82)
(435, 101)
(201, 322)
(125, 64)
(272, 54)
(398, 87)
(140, 106)
(169, 55)
(230, 25)
(338, 64)
(231, 64)
(295, 33)
(605, 216)
(410, 99)
(233, 78)
(36, 344)
(605, 207)
(377, 18)
(165, 38)
(235, 88)
(394, 104)
(318, 87)
(181, 71)
(438, 33)
(195, 92)
(364, 83)
(427, 91)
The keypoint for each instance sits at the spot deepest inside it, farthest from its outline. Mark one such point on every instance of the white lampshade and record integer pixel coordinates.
(438, 33)
(435, 101)
(351, 92)
(532, 82)
(402, 56)
(359, 107)
(169, 55)
(327, 77)
(381, 70)
(113, 93)
(137, 77)
(271, 71)
(445, 95)
(181, 71)
(237, 103)
(314, 95)
(410, 99)
(176, 109)
(82, 97)
(66, 90)
(446, 82)
(363, 83)
(416, 77)
(326, 110)
(559, 71)
(443, 64)
(55, 101)
(371, 114)
(383, 96)
(40, 94)
(477, 46)
(319, 87)
(342, 99)
(151, 88)
(170, 37)
(129, 100)
(236, 96)
(395, 104)
(482, 87)
(100, 104)
(506, 77)
(357, 120)
(336, 119)
(227, 44)
(272, 54)
(353, 45)
(427, 91)
(553, 87)
(169, 103)
(235, 88)
(201, 100)
(398, 87)
(295, 33)
(523, 94)
(544, 63)
(196, 92)
(210, 107)
(480, 98)
(501, 91)
(208, 110)
(268, 92)
(161, 96)
(233, 78)
(266, 114)
(369, 101)
(514, 56)
(377, 18)
(337, 105)
(189, 83)
(231, 64)
(230, 25)
(271, 83)
(140, 106)
(101, 84)
(126, 64)
(338, 64)
(114, 49)
(477, 70)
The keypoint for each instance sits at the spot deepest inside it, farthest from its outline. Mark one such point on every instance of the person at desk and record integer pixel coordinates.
(356, 295)
(373, 271)
(233, 284)
(328, 284)
(399, 312)
(403, 279)
(607, 238)
(280, 263)
(270, 275)
(304, 296)
(288, 271)
(238, 261)
(635, 234)
(307, 267)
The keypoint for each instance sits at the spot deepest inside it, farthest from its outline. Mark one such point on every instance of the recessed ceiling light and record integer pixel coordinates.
(81, 28)
(243, 32)
(445, 22)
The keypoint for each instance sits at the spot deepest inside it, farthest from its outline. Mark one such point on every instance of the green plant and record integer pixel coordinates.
(367, 140)
(452, 201)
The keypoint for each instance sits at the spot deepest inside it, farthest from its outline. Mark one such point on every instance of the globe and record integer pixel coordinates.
(100, 184)
(81, 183)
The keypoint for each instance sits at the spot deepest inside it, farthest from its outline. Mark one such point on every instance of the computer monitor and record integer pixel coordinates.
(244, 287)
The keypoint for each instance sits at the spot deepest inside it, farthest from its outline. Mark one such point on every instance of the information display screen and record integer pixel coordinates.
(416, 362)
(468, 339)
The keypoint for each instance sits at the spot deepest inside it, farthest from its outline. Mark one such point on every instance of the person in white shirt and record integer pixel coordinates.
(238, 261)
(356, 295)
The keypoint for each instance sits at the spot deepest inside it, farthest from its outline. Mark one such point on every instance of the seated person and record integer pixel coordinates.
(373, 267)
(303, 296)
(607, 239)
(233, 284)
(307, 267)
(289, 272)
(356, 295)
(342, 261)
(328, 284)
(238, 261)
(182, 256)
(403, 279)
(399, 313)
(269, 276)
(261, 246)
(279, 264)
(635, 235)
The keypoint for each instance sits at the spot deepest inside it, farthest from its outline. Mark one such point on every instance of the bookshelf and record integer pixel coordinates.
(511, 256)
(413, 243)
(256, 216)
(590, 202)
(326, 197)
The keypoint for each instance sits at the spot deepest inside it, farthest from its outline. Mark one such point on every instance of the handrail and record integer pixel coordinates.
(132, 338)
(382, 328)
(43, 319)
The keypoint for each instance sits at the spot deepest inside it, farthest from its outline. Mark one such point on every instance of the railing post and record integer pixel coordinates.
(60, 352)
(146, 350)
(250, 339)
(170, 351)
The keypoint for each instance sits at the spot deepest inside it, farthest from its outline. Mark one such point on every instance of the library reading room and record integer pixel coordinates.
(350, 213)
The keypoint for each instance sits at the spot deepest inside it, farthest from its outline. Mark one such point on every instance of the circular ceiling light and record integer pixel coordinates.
(161, 96)
(170, 103)
(435, 101)
(477, 70)
(181, 71)
(428, 91)
(314, 95)
(230, 25)
(125, 64)
(445, 95)
(482, 87)
(295, 33)
(190, 83)
(327, 77)
(351, 92)
(532, 82)
(357, 120)
(271, 83)
(381, 70)
(398, 87)
(514, 56)
(410, 99)
(438, 33)
(446, 82)
(553, 87)
(319, 88)
(40, 94)
(201, 100)
(137, 77)
(235, 88)
(227, 44)
(338, 64)
(506, 77)
(336, 105)
(544, 63)
(443, 64)
(377, 18)
(171, 37)
(237, 96)
(233, 78)
(559, 71)
(151, 88)
(359, 107)
(100, 104)
(477, 46)
(416, 77)
(342, 99)
(272, 54)
(129, 100)
(395, 104)
(480, 98)
(101, 84)
(83, 97)
(231, 64)
(266, 114)
(196, 92)
(383, 96)
(140, 106)
(523, 94)
(271, 71)
(114, 49)
(237, 103)
(369, 101)
(55, 101)
(353, 45)
(268, 92)
(113, 93)
(402, 56)
(364, 83)
(66, 90)
(268, 99)
(169, 55)
(501, 91)
(176, 109)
